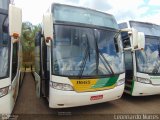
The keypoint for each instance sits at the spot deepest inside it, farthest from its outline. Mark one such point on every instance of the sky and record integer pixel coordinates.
(123, 10)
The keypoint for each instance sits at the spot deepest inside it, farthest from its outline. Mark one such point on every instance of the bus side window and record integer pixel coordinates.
(128, 65)
(125, 39)
(37, 53)
(14, 60)
(46, 68)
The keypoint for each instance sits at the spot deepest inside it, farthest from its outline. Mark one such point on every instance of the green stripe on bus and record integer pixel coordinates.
(132, 87)
(106, 82)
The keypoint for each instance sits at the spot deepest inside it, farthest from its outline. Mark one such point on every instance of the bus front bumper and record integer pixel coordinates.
(64, 99)
(5, 106)
(142, 89)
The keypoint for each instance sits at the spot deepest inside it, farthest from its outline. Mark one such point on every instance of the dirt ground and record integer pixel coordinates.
(30, 107)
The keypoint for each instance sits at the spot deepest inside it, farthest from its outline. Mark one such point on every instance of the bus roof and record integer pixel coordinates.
(147, 23)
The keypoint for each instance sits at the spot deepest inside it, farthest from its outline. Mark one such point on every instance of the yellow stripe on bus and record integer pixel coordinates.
(86, 85)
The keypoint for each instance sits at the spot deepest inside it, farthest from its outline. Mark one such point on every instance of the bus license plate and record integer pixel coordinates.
(97, 97)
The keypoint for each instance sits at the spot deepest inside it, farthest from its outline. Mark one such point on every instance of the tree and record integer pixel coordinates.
(28, 36)
(28, 41)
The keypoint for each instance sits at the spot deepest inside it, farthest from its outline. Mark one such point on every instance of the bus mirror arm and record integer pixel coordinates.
(126, 30)
(130, 48)
(48, 41)
(15, 38)
(135, 49)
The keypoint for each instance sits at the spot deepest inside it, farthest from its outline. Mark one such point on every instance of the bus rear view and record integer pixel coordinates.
(82, 60)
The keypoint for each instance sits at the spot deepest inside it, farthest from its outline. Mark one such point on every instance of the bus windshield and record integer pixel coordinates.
(82, 15)
(4, 4)
(4, 47)
(148, 61)
(81, 51)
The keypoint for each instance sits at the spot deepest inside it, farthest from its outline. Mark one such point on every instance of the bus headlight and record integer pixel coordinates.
(120, 82)
(4, 91)
(61, 86)
(143, 80)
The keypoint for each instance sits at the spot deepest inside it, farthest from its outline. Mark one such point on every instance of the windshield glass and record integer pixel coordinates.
(77, 52)
(4, 4)
(107, 52)
(82, 15)
(148, 61)
(4, 48)
(4, 55)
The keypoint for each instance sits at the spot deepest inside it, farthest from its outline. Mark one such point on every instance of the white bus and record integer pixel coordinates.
(10, 30)
(143, 66)
(79, 58)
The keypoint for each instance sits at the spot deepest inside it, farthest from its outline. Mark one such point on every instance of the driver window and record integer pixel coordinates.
(14, 60)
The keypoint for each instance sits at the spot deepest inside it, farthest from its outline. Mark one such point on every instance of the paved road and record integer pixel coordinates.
(28, 106)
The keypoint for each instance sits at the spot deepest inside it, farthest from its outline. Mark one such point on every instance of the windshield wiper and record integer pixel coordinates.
(156, 68)
(159, 50)
(99, 53)
(87, 54)
(106, 61)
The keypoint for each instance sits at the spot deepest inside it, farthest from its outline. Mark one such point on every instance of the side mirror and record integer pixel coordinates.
(48, 28)
(141, 40)
(15, 22)
(134, 35)
(138, 40)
